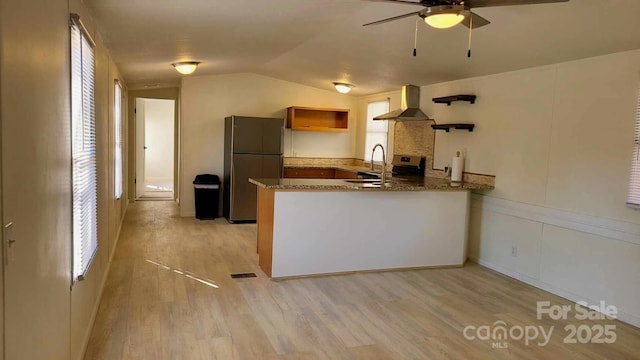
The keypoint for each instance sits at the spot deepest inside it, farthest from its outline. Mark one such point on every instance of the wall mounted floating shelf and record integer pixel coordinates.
(447, 127)
(449, 99)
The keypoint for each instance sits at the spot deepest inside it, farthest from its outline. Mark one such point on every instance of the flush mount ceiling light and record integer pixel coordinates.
(343, 88)
(445, 16)
(186, 67)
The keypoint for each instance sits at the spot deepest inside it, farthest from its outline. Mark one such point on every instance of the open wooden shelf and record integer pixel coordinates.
(449, 99)
(317, 119)
(447, 127)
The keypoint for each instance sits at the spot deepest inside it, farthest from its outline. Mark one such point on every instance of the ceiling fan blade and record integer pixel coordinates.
(393, 18)
(478, 21)
(489, 3)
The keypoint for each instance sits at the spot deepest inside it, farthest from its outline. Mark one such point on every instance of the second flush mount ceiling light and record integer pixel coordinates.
(342, 88)
(186, 67)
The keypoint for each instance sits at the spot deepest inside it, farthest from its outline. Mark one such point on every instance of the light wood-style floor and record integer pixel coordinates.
(169, 296)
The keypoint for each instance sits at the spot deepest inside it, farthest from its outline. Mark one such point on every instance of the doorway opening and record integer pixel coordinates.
(155, 149)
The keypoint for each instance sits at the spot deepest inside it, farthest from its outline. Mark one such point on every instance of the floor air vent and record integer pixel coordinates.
(243, 275)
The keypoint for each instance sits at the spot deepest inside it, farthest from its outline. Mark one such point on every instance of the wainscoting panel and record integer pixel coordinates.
(576, 256)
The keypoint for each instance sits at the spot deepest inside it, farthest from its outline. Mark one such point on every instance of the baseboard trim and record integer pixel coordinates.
(609, 228)
(372, 271)
(622, 316)
(115, 243)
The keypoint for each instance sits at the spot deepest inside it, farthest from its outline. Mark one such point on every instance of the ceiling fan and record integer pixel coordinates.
(444, 14)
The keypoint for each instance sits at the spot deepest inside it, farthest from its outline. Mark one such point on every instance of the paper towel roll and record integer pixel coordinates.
(457, 165)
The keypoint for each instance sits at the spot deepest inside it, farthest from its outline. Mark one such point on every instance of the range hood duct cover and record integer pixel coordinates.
(410, 104)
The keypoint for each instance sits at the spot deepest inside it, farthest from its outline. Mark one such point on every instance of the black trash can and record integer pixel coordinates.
(206, 188)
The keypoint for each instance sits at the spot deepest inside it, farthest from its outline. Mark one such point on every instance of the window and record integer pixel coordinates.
(118, 153)
(633, 199)
(83, 149)
(377, 130)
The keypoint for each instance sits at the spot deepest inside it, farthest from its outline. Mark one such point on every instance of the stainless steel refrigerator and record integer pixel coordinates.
(252, 149)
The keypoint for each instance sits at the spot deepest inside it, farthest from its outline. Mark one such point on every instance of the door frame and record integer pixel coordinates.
(139, 151)
(144, 140)
(162, 93)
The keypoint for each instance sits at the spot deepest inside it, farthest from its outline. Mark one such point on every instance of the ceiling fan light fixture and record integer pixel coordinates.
(444, 21)
(343, 88)
(444, 16)
(186, 67)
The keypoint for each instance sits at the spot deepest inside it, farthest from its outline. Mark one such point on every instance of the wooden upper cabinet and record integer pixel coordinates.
(317, 119)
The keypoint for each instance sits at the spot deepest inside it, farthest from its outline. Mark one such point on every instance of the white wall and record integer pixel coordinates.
(1, 201)
(85, 295)
(159, 126)
(50, 320)
(559, 140)
(207, 100)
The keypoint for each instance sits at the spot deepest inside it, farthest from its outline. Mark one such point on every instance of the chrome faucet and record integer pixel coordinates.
(384, 162)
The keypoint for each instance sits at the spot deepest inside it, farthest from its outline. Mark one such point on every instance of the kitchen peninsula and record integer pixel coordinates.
(326, 226)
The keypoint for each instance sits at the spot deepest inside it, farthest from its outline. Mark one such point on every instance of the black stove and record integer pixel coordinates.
(408, 165)
(403, 165)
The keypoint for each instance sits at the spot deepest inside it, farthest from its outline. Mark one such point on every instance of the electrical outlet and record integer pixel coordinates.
(514, 251)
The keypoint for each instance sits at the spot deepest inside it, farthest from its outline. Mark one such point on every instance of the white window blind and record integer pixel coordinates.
(377, 130)
(83, 149)
(118, 151)
(633, 199)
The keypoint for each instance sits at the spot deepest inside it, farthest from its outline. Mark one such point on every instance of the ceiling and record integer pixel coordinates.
(316, 42)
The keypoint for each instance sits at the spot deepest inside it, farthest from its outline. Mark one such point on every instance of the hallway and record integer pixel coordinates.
(169, 295)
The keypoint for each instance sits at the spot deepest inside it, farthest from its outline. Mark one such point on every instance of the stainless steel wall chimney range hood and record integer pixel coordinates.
(411, 105)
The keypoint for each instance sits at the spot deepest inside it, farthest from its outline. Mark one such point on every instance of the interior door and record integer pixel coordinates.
(244, 195)
(140, 148)
(159, 123)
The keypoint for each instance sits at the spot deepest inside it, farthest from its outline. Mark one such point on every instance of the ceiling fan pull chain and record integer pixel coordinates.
(470, 31)
(415, 41)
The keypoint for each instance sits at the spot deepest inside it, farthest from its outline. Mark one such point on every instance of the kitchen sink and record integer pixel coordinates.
(370, 184)
(375, 181)
(374, 185)
(360, 181)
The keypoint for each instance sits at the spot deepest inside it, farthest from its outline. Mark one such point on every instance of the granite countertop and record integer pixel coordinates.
(414, 183)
